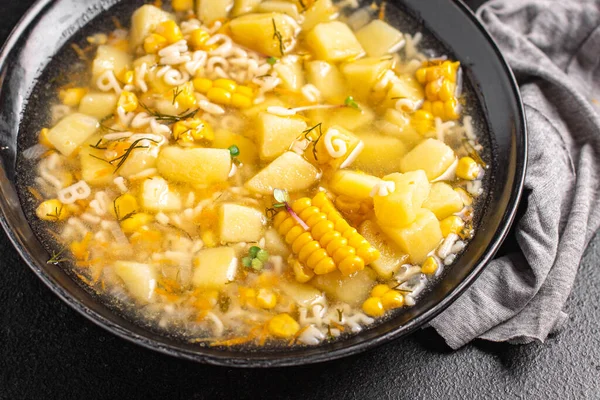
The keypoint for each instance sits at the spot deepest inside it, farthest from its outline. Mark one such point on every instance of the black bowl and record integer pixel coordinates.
(49, 24)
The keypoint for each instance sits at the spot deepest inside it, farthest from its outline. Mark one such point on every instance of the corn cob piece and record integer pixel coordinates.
(440, 82)
(225, 92)
(330, 240)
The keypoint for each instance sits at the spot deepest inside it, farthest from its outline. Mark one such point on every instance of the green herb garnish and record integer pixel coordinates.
(277, 35)
(235, 153)
(128, 152)
(256, 258)
(307, 133)
(340, 314)
(57, 212)
(169, 118)
(283, 201)
(176, 93)
(117, 213)
(271, 60)
(224, 302)
(57, 257)
(350, 102)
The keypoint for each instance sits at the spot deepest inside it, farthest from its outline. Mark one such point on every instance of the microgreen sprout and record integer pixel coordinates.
(350, 102)
(271, 60)
(57, 257)
(282, 198)
(277, 35)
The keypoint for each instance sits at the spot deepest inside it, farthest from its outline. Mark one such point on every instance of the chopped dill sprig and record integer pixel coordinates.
(306, 134)
(57, 257)
(57, 212)
(117, 213)
(302, 4)
(130, 149)
(277, 35)
(98, 145)
(350, 102)
(169, 118)
(340, 314)
(329, 334)
(224, 302)
(176, 93)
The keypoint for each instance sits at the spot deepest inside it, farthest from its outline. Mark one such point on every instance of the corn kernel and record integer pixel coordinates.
(433, 73)
(301, 272)
(467, 169)
(447, 90)
(193, 130)
(202, 85)
(226, 84)
(198, 39)
(43, 138)
(392, 299)
(452, 224)
(245, 90)
(351, 265)
(283, 326)
(421, 75)
(373, 307)
(182, 5)
(208, 238)
(128, 101)
(247, 296)
(126, 76)
(124, 207)
(52, 210)
(170, 31)
(380, 290)
(240, 101)
(452, 109)
(432, 90)
(266, 299)
(422, 121)
(135, 223)
(437, 109)
(219, 96)
(429, 266)
(72, 97)
(154, 43)
(426, 106)
(147, 236)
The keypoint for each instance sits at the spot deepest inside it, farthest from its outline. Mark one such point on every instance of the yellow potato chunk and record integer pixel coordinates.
(397, 123)
(443, 201)
(209, 11)
(353, 290)
(139, 279)
(354, 184)
(276, 134)
(431, 155)
(156, 196)
(419, 238)
(338, 147)
(348, 118)
(240, 223)
(289, 171)
(391, 257)
(214, 268)
(71, 132)
(257, 32)
(279, 6)
(110, 58)
(379, 38)
(93, 170)
(328, 79)
(197, 166)
(406, 87)
(144, 21)
(290, 71)
(381, 155)
(225, 139)
(400, 208)
(320, 11)
(98, 105)
(362, 74)
(275, 244)
(333, 41)
(304, 295)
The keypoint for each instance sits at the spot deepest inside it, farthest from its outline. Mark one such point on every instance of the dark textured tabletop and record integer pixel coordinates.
(47, 351)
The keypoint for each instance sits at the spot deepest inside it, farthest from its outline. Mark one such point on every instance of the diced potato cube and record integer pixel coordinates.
(278, 6)
(290, 71)
(139, 160)
(354, 184)
(320, 11)
(362, 74)
(241, 7)
(353, 290)
(225, 139)
(400, 208)
(197, 166)
(289, 172)
(379, 38)
(214, 268)
(275, 244)
(391, 257)
(98, 105)
(240, 223)
(431, 155)
(397, 123)
(328, 79)
(257, 32)
(209, 11)
(93, 170)
(156, 196)
(304, 295)
(406, 87)
(443, 200)
(139, 279)
(382, 154)
(144, 21)
(338, 147)
(276, 134)
(347, 117)
(419, 238)
(270, 101)
(110, 58)
(71, 132)
(333, 41)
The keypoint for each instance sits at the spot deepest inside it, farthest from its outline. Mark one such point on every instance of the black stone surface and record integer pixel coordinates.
(47, 351)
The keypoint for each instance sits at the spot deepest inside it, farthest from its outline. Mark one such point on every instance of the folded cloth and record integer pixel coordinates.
(553, 48)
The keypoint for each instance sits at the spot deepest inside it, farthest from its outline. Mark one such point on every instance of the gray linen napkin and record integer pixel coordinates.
(553, 48)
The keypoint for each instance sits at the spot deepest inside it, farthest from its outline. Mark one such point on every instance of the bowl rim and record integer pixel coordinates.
(506, 222)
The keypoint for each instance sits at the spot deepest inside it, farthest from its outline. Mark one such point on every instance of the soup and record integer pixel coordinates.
(259, 172)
